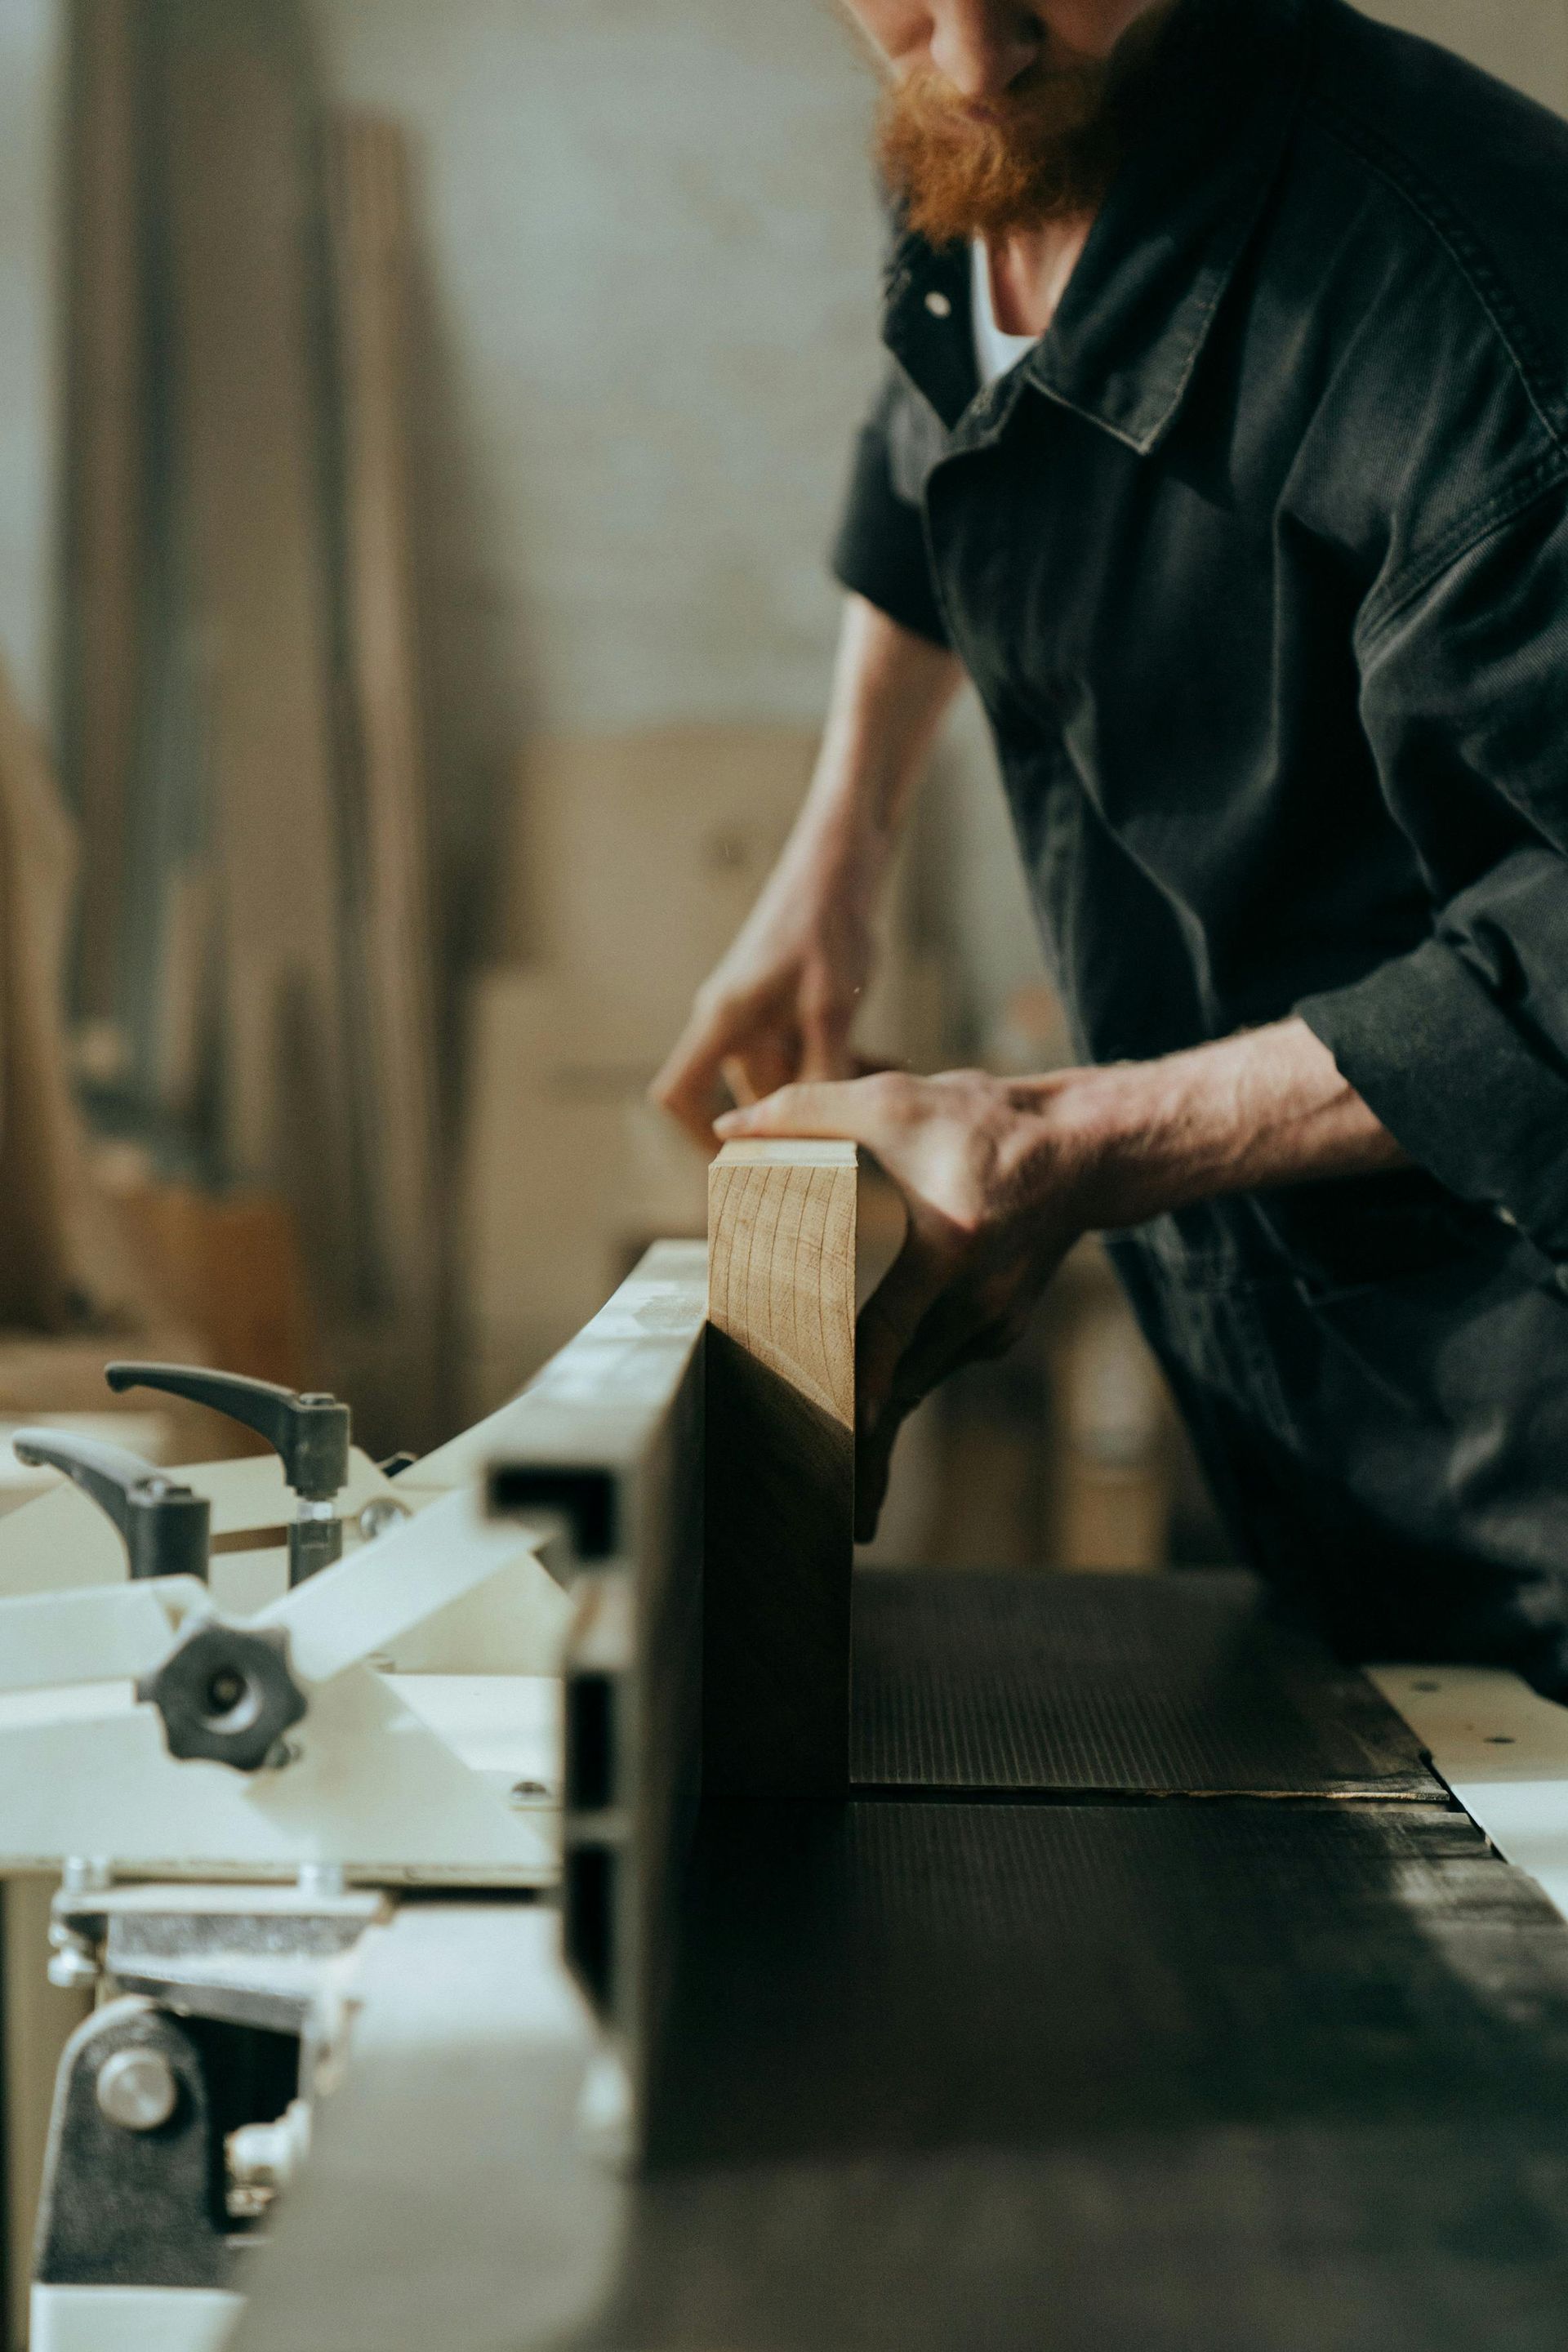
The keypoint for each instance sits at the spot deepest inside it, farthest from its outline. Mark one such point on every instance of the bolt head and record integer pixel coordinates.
(137, 2089)
(85, 1873)
(380, 1514)
(72, 1967)
(321, 1879)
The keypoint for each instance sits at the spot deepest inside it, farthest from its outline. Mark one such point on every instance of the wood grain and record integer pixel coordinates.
(58, 1245)
(369, 219)
(104, 485)
(780, 1469)
(242, 197)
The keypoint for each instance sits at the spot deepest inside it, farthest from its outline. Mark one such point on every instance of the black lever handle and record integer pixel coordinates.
(310, 1432)
(163, 1524)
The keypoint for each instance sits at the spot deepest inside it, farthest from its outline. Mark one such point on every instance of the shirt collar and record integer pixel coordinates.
(1140, 302)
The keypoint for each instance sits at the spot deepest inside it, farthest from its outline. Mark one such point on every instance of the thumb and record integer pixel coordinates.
(825, 1047)
(873, 1468)
(889, 1321)
(687, 1084)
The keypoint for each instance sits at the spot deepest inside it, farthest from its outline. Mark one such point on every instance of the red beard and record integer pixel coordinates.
(1047, 150)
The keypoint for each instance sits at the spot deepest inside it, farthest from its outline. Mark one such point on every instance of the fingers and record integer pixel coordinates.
(755, 1057)
(709, 1068)
(890, 1323)
(759, 1069)
(838, 1109)
(890, 1320)
(873, 1468)
(961, 1325)
(733, 1072)
(880, 1413)
(687, 1086)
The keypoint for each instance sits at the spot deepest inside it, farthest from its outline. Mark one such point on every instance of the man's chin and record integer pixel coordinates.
(961, 174)
(949, 204)
(945, 215)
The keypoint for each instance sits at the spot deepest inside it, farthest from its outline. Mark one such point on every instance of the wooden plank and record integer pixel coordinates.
(58, 1245)
(368, 213)
(41, 1170)
(104, 484)
(231, 1267)
(780, 1469)
(242, 204)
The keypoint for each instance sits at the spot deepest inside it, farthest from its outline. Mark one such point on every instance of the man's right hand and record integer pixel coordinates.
(781, 1006)
(779, 1009)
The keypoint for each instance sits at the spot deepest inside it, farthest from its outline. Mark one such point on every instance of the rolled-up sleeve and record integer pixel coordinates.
(880, 551)
(1460, 1047)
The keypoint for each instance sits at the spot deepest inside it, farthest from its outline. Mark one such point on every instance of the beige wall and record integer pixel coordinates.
(1522, 41)
(652, 251)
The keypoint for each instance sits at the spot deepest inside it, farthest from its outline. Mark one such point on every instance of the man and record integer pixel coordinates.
(1258, 558)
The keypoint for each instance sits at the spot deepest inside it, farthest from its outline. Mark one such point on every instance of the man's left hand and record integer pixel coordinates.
(1000, 1176)
(996, 1192)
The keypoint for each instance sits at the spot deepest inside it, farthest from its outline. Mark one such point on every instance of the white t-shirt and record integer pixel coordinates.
(994, 351)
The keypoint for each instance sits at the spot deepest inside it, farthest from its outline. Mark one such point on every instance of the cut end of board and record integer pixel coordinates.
(787, 1151)
(782, 1227)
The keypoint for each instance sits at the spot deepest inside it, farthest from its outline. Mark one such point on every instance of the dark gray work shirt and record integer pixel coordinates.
(1259, 561)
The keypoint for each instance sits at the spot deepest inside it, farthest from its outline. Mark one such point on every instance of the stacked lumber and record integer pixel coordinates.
(104, 486)
(75, 1286)
(241, 222)
(371, 236)
(63, 1262)
(255, 981)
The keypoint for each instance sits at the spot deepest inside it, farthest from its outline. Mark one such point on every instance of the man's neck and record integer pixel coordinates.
(1030, 273)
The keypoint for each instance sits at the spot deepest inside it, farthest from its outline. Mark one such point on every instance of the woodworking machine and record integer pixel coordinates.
(527, 1912)
(233, 1747)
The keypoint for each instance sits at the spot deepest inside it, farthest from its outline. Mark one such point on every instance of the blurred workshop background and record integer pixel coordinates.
(421, 426)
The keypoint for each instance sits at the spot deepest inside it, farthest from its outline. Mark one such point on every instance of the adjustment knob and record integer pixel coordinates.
(163, 1526)
(227, 1695)
(308, 1432)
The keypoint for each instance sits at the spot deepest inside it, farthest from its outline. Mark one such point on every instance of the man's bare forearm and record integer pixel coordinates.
(782, 1002)
(1267, 1107)
(892, 690)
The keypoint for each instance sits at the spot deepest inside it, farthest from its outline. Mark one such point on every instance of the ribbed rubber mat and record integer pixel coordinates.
(979, 2078)
(896, 1974)
(1164, 2078)
(1142, 1684)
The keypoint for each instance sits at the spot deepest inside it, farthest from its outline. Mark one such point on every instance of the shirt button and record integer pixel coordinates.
(1561, 1277)
(939, 306)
